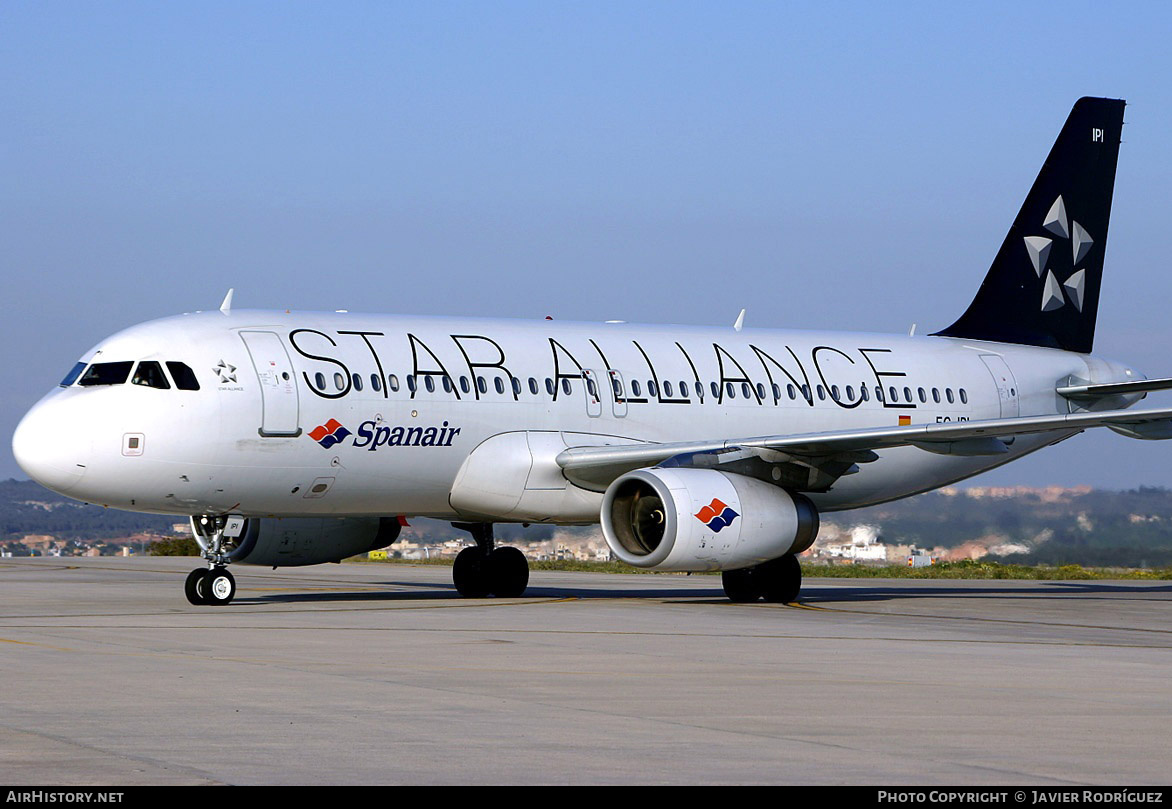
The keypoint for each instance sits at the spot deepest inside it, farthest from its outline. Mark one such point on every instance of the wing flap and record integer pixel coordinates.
(599, 465)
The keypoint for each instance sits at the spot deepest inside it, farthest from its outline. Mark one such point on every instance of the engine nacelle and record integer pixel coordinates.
(703, 519)
(295, 541)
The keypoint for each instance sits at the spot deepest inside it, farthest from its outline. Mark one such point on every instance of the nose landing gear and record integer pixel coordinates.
(213, 585)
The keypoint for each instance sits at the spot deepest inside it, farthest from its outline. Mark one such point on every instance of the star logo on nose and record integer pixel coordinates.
(226, 371)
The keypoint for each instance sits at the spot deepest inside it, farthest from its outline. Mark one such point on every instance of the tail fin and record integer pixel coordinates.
(1043, 287)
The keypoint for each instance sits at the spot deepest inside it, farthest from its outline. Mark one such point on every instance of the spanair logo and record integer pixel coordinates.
(716, 515)
(330, 433)
(1059, 225)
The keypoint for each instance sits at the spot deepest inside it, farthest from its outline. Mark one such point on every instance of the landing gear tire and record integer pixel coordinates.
(741, 585)
(470, 573)
(196, 585)
(780, 579)
(219, 587)
(508, 572)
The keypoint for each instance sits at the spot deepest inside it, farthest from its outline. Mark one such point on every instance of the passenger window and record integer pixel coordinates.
(481, 385)
(821, 394)
(549, 388)
(850, 393)
(907, 394)
(652, 388)
(447, 380)
(667, 388)
(793, 394)
(635, 388)
(715, 391)
(411, 382)
(684, 390)
(745, 390)
(863, 394)
(936, 395)
(394, 381)
(429, 383)
(879, 393)
(760, 391)
(699, 389)
(893, 394)
(923, 396)
(73, 374)
(533, 386)
(516, 386)
(806, 393)
(339, 381)
(948, 394)
(183, 375)
(376, 382)
(566, 386)
(618, 388)
(320, 379)
(730, 390)
(834, 392)
(150, 374)
(964, 397)
(105, 373)
(499, 384)
(464, 386)
(591, 387)
(357, 382)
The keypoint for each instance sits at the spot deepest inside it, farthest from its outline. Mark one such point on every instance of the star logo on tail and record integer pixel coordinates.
(1059, 225)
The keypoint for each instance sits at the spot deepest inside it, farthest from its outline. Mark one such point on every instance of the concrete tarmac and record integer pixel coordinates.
(381, 674)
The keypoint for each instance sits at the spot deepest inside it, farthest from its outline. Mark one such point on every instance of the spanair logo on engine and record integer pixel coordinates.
(329, 434)
(716, 515)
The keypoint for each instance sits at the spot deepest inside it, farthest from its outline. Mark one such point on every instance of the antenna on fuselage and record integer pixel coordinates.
(740, 321)
(226, 306)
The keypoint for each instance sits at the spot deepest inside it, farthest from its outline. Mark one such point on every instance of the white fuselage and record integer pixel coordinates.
(415, 396)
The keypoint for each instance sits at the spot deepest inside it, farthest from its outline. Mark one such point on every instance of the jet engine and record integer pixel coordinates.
(703, 519)
(293, 541)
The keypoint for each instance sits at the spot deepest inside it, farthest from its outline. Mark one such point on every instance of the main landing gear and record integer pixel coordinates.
(777, 580)
(485, 570)
(212, 585)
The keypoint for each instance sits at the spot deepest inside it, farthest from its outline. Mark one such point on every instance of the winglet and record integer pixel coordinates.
(226, 306)
(740, 321)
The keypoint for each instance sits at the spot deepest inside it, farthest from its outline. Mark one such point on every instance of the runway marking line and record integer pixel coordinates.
(38, 645)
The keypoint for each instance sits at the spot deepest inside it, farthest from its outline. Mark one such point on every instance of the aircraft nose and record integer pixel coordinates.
(51, 445)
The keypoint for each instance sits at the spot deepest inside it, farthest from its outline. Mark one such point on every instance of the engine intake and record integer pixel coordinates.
(703, 519)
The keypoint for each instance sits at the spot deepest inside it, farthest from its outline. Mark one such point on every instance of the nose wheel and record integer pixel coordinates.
(215, 587)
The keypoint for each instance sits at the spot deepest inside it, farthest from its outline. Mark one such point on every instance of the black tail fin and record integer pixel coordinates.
(1043, 287)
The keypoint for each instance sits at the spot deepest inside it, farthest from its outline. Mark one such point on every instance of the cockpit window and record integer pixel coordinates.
(183, 375)
(106, 373)
(150, 374)
(73, 374)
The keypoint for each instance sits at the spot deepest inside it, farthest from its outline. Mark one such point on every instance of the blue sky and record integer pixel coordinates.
(827, 165)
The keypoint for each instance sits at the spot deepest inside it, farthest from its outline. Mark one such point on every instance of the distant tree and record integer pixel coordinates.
(175, 546)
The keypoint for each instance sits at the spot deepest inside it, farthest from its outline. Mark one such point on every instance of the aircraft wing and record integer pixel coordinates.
(835, 453)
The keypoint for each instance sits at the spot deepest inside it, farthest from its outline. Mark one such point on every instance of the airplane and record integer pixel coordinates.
(294, 438)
